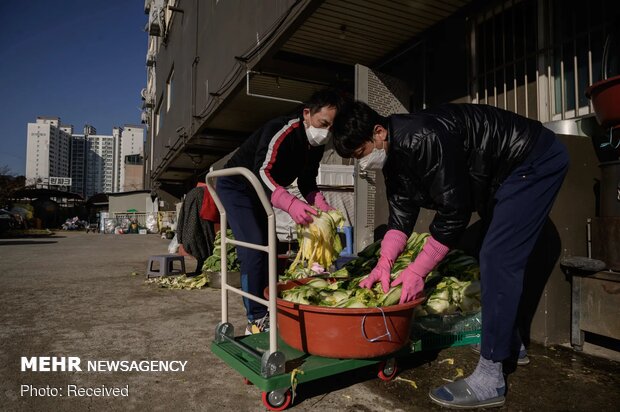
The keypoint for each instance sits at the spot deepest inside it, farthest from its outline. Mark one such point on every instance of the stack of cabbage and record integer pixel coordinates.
(180, 282)
(212, 263)
(452, 287)
(318, 243)
(342, 293)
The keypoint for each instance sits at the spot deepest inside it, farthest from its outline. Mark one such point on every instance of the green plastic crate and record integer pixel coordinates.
(438, 332)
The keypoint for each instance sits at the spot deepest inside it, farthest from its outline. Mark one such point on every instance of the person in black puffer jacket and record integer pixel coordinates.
(457, 159)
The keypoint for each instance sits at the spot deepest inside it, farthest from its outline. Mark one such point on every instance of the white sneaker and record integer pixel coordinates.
(258, 325)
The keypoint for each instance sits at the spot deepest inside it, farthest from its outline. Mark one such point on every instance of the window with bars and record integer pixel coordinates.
(577, 32)
(169, 87)
(537, 57)
(505, 51)
(158, 116)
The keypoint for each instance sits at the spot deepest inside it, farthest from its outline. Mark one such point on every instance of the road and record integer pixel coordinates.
(74, 295)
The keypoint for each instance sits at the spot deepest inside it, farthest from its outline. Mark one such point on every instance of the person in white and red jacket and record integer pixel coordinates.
(282, 150)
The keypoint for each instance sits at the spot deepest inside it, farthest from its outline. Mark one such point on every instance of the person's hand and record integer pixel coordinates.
(317, 199)
(412, 278)
(381, 273)
(299, 211)
(392, 246)
(413, 284)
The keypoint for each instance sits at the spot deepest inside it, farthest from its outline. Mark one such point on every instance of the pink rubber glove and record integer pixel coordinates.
(412, 278)
(300, 211)
(317, 199)
(392, 246)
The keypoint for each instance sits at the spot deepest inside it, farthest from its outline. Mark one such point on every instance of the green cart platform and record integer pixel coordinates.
(301, 367)
(269, 363)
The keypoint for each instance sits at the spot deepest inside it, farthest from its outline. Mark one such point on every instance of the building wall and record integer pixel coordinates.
(62, 152)
(132, 140)
(79, 149)
(122, 202)
(100, 164)
(118, 162)
(133, 178)
(48, 149)
(37, 155)
(131, 143)
(92, 168)
(200, 52)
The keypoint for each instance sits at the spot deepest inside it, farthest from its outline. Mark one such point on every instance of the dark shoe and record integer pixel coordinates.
(459, 395)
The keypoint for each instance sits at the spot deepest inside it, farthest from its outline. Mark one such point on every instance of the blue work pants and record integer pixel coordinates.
(523, 203)
(248, 221)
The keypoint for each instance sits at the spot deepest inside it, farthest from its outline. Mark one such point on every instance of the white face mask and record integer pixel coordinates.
(316, 136)
(373, 160)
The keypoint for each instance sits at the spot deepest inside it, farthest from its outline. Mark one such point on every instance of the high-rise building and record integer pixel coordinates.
(99, 177)
(79, 150)
(95, 163)
(130, 142)
(92, 162)
(48, 150)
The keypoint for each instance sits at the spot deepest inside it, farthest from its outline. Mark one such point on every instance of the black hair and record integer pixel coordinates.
(325, 97)
(353, 126)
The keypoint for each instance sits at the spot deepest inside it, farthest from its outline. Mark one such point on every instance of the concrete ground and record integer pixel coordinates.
(75, 295)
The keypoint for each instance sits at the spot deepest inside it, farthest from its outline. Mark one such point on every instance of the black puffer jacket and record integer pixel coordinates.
(452, 159)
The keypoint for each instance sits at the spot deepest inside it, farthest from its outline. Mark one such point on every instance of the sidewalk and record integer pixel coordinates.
(74, 295)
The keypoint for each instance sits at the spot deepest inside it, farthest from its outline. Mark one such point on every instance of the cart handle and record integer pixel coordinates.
(270, 249)
(376, 338)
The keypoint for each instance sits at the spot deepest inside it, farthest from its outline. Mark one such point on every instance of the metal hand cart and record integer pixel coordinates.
(265, 360)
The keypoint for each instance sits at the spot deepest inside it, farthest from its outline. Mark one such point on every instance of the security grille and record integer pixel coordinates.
(536, 57)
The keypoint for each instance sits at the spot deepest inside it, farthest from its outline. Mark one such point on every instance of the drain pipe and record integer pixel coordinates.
(247, 90)
(589, 237)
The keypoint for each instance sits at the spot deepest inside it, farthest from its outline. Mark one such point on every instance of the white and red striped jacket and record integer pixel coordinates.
(278, 153)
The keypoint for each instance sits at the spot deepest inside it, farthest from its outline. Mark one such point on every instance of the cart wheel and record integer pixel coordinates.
(277, 400)
(247, 381)
(387, 370)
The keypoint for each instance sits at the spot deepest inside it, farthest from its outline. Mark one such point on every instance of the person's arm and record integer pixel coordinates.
(449, 188)
(275, 145)
(403, 209)
(402, 216)
(307, 178)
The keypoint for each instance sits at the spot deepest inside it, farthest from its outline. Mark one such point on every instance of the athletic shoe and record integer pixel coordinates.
(258, 325)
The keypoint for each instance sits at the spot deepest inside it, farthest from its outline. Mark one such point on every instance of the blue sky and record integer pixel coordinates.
(80, 60)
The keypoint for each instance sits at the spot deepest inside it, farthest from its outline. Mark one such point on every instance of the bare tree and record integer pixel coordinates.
(8, 184)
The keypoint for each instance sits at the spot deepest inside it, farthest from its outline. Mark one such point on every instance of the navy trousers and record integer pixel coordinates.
(248, 222)
(523, 203)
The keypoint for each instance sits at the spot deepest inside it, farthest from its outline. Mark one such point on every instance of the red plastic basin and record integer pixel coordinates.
(605, 97)
(342, 332)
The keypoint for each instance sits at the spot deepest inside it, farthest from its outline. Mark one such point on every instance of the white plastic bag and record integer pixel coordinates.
(173, 247)
(151, 223)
